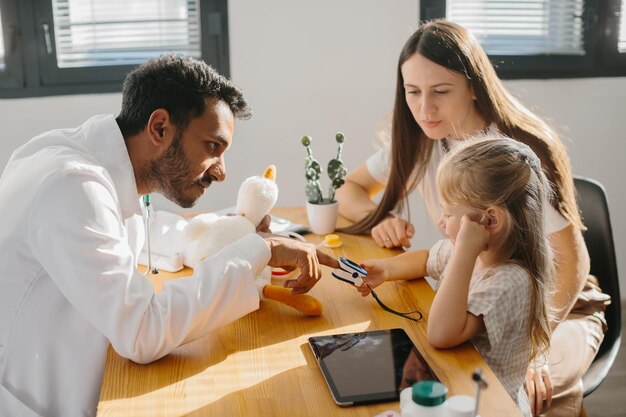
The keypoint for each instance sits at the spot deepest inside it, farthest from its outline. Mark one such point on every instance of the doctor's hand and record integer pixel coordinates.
(393, 232)
(290, 254)
(264, 226)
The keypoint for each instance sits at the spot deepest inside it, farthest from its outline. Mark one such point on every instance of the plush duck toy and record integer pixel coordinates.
(209, 233)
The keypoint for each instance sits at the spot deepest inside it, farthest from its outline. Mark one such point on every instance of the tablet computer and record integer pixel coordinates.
(369, 367)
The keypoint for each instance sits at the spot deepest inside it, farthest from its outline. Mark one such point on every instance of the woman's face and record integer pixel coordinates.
(441, 100)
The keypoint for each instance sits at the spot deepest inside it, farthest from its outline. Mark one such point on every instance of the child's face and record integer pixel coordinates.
(450, 220)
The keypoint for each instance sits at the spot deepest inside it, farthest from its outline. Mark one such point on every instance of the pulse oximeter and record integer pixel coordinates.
(349, 272)
(353, 274)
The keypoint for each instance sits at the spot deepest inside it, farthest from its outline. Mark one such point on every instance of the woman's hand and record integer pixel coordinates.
(377, 273)
(393, 232)
(539, 387)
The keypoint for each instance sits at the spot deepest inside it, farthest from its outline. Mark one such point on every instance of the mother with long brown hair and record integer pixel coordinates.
(447, 91)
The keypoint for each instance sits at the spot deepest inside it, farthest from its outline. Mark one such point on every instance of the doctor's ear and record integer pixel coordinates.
(158, 127)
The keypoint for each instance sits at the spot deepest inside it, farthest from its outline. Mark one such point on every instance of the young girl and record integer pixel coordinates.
(447, 90)
(496, 267)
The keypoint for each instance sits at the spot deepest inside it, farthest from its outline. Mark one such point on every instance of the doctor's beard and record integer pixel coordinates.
(170, 174)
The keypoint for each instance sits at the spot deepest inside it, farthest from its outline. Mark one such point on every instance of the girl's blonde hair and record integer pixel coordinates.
(499, 172)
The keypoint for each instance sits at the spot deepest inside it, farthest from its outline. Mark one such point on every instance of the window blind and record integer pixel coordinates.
(621, 43)
(120, 32)
(524, 27)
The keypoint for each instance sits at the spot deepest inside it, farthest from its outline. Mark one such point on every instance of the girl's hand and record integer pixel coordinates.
(539, 387)
(393, 233)
(377, 273)
(472, 237)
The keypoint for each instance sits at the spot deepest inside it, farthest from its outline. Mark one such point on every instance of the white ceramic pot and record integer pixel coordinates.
(322, 217)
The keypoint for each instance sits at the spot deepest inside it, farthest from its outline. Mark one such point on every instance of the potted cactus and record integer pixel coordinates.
(322, 211)
(313, 172)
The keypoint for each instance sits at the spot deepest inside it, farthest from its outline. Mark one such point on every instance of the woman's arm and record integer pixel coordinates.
(355, 196)
(572, 267)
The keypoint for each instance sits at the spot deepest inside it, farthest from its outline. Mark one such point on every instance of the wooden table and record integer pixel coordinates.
(261, 365)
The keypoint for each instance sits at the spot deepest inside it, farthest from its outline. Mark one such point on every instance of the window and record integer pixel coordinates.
(621, 45)
(88, 46)
(543, 38)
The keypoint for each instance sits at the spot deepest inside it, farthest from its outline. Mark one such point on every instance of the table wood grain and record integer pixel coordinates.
(261, 365)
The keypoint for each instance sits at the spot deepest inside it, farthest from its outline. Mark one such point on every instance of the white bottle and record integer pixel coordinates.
(423, 399)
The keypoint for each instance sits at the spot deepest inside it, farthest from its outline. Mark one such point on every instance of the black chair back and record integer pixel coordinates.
(599, 240)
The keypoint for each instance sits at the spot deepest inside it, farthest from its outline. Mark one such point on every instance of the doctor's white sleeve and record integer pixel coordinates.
(77, 233)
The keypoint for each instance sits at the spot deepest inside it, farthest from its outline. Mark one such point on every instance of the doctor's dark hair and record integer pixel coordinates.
(506, 175)
(454, 48)
(179, 84)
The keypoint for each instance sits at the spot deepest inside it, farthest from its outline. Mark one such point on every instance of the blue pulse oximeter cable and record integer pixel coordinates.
(353, 274)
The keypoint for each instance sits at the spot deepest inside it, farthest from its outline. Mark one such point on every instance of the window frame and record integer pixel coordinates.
(601, 27)
(12, 77)
(33, 72)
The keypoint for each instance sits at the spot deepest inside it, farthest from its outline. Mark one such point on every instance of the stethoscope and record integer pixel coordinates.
(148, 205)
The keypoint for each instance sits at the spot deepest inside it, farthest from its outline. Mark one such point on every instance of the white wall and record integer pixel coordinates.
(318, 67)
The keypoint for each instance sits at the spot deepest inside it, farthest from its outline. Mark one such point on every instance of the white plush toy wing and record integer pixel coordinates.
(209, 233)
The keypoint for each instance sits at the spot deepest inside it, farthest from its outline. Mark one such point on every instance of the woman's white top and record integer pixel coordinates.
(71, 233)
(379, 167)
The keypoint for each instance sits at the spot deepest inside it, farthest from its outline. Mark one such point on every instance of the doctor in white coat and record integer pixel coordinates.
(72, 230)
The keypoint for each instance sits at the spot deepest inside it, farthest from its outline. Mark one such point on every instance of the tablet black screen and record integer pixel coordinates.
(372, 366)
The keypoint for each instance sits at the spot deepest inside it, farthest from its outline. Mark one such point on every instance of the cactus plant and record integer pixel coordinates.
(313, 172)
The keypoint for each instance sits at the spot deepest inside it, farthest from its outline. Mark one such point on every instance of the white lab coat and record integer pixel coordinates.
(70, 235)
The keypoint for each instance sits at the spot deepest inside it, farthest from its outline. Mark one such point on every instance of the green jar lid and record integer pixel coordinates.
(429, 393)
